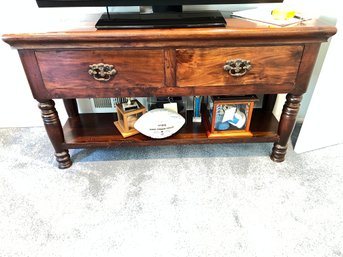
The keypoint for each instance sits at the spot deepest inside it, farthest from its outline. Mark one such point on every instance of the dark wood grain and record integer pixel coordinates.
(90, 130)
(33, 75)
(269, 102)
(54, 130)
(169, 62)
(204, 66)
(238, 32)
(286, 126)
(170, 91)
(71, 107)
(305, 71)
(169, 66)
(69, 69)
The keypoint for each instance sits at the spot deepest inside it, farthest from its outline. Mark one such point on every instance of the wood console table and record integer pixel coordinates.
(168, 62)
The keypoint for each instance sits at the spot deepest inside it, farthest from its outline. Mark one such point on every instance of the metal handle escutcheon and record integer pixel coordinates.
(237, 68)
(102, 72)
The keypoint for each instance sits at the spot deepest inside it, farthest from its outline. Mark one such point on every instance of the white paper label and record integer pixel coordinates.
(171, 107)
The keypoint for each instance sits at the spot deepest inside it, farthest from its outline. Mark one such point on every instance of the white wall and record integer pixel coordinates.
(17, 108)
(327, 12)
(323, 123)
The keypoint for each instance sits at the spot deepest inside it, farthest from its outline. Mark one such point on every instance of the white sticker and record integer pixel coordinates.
(171, 107)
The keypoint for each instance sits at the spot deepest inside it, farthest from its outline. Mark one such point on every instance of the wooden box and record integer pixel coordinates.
(229, 116)
(127, 119)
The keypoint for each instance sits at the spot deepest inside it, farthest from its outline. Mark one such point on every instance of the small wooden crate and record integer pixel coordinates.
(228, 116)
(127, 119)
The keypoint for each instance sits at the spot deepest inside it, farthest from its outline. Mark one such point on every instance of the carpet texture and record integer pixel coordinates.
(177, 201)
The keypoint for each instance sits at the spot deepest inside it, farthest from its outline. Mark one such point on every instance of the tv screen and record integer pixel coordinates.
(66, 3)
(166, 13)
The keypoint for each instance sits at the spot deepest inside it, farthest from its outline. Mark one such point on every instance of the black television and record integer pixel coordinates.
(164, 14)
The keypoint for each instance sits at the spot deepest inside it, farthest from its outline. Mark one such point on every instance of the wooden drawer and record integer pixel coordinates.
(69, 70)
(270, 66)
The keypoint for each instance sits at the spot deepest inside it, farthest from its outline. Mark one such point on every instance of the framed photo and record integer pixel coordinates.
(229, 116)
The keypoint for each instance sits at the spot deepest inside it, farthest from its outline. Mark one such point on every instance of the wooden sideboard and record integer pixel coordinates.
(168, 62)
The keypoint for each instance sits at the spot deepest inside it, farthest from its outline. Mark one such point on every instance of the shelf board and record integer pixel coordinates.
(98, 130)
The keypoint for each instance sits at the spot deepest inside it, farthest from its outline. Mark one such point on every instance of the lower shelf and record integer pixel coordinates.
(98, 130)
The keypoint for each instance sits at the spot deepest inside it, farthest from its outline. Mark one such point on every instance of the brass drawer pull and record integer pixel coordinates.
(237, 68)
(101, 71)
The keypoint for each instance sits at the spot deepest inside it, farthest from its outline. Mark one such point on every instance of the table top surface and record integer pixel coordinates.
(236, 28)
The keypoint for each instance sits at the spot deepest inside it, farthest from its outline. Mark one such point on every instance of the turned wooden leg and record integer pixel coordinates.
(54, 130)
(71, 107)
(286, 126)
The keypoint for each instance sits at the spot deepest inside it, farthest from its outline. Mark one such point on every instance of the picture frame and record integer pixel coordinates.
(229, 116)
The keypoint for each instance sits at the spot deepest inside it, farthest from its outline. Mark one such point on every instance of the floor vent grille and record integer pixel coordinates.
(102, 103)
(106, 104)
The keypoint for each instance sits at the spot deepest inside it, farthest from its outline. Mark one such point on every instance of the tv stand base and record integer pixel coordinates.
(201, 19)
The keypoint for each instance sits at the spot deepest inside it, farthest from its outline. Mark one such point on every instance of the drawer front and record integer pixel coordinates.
(70, 70)
(266, 66)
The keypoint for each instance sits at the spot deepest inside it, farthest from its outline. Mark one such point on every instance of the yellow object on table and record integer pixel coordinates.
(282, 14)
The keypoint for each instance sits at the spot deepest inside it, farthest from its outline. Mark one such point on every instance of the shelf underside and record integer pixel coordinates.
(98, 130)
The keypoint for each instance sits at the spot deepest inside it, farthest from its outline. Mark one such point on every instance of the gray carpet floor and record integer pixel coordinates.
(177, 201)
